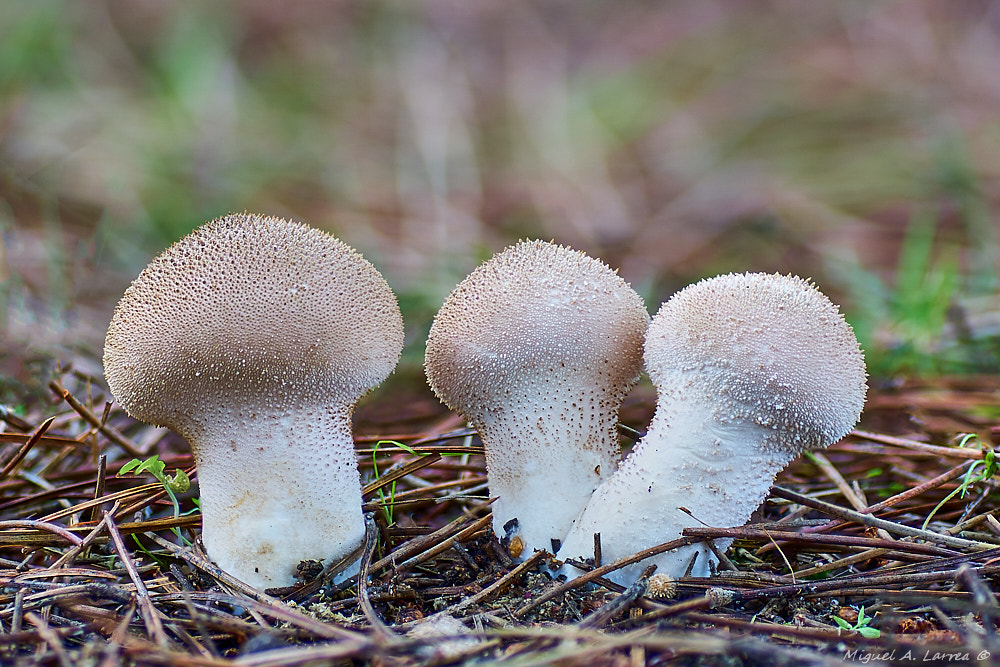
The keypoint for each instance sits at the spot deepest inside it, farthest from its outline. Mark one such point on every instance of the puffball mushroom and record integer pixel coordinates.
(750, 370)
(537, 348)
(254, 337)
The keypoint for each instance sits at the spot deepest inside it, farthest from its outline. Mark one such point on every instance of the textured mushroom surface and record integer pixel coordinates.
(537, 348)
(253, 338)
(750, 370)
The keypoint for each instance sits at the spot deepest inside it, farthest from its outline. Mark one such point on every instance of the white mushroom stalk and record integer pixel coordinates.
(253, 338)
(750, 370)
(537, 348)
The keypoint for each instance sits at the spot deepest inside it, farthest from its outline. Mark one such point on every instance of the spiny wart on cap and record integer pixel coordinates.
(254, 337)
(537, 348)
(750, 370)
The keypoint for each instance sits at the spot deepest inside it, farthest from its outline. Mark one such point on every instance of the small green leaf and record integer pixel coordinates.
(154, 465)
(842, 623)
(129, 467)
(862, 619)
(870, 633)
(991, 464)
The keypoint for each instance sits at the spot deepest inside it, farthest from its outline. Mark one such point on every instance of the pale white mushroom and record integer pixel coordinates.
(751, 370)
(253, 338)
(537, 348)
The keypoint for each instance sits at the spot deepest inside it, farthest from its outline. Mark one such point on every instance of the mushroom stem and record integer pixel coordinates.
(750, 370)
(521, 475)
(293, 507)
(719, 480)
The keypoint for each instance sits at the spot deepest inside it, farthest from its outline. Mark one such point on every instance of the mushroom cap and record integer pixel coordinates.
(255, 308)
(534, 319)
(774, 351)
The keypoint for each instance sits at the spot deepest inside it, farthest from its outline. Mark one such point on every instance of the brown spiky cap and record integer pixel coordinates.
(250, 307)
(534, 319)
(768, 349)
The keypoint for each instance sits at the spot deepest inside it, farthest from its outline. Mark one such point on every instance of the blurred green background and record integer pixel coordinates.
(855, 142)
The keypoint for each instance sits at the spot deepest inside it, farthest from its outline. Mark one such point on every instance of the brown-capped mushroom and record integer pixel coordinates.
(537, 348)
(254, 337)
(750, 369)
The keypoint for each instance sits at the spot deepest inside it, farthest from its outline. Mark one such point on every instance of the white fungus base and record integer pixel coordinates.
(279, 490)
(688, 459)
(544, 465)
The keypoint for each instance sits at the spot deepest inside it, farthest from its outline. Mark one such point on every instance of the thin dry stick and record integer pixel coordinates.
(24, 637)
(100, 488)
(868, 520)
(411, 547)
(953, 452)
(146, 609)
(45, 539)
(277, 611)
(559, 589)
(773, 542)
(211, 569)
(254, 599)
(110, 432)
(427, 492)
(114, 646)
(789, 633)
(397, 472)
(67, 558)
(987, 518)
(382, 634)
(49, 637)
(54, 592)
(845, 489)
(909, 494)
(58, 441)
(149, 500)
(441, 547)
(911, 596)
(299, 592)
(414, 503)
(198, 618)
(620, 603)
(836, 586)
(834, 476)
(832, 587)
(323, 654)
(476, 599)
(26, 447)
(707, 601)
(986, 558)
(879, 552)
(61, 531)
(476, 450)
(190, 642)
(12, 419)
(859, 557)
(418, 544)
(96, 502)
(500, 583)
(751, 533)
(981, 593)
